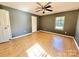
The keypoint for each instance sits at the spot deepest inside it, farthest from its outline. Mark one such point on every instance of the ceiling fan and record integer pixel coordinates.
(44, 8)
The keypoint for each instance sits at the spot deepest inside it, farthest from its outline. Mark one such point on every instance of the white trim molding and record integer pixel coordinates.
(76, 43)
(21, 36)
(64, 36)
(56, 33)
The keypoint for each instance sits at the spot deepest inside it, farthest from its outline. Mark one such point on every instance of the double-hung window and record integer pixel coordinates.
(59, 23)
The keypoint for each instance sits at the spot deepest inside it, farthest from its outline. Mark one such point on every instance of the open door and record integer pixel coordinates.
(34, 24)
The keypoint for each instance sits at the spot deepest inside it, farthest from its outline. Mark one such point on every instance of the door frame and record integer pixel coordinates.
(34, 23)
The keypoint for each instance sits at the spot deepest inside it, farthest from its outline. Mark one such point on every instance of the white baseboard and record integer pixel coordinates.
(64, 36)
(56, 33)
(21, 36)
(76, 43)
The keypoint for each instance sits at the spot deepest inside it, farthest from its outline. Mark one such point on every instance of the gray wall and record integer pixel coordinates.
(20, 21)
(47, 22)
(38, 23)
(77, 31)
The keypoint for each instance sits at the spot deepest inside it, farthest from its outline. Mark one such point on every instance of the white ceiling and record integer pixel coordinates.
(31, 6)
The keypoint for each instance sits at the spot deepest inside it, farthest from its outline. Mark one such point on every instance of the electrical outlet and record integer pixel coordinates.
(65, 32)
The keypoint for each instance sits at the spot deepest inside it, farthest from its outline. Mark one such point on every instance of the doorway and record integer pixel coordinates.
(34, 24)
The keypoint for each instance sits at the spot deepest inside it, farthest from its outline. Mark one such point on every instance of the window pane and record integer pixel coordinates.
(59, 23)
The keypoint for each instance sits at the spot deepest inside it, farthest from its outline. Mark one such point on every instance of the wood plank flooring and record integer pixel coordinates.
(53, 44)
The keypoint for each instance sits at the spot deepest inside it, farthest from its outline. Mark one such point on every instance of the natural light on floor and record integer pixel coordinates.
(58, 43)
(37, 51)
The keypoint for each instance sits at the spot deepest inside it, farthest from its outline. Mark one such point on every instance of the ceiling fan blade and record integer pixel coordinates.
(49, 10)
(39, 4)
(48, 6)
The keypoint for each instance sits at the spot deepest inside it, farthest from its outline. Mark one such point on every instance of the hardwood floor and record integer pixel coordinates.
(54, 45)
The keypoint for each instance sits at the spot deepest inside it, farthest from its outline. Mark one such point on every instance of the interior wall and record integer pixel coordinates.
(38, 23)
(77, 31)
(47, 22)
(20, 21)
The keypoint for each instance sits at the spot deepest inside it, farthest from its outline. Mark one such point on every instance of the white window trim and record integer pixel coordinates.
(59, 28)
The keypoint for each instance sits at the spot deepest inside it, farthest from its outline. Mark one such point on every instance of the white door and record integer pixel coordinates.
(34, 23)
(5, 31)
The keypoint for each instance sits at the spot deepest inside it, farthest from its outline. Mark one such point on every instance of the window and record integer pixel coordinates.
(59, 24)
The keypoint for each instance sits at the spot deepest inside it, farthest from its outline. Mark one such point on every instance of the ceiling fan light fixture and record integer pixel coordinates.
(43, 12)
(45, 7)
